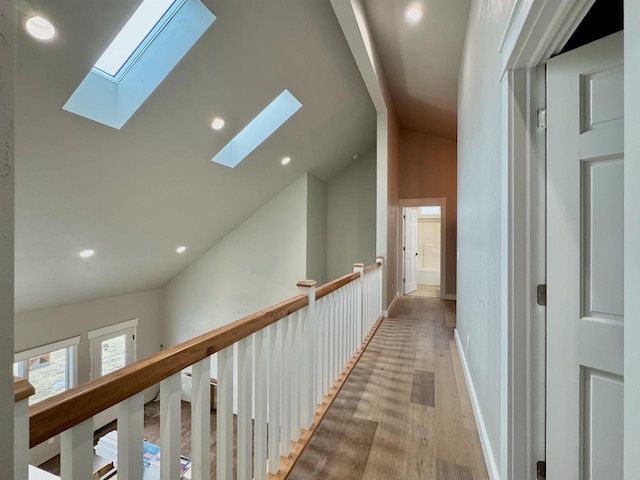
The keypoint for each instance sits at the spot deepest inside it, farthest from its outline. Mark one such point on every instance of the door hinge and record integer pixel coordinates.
(542, 295)
(404, 217)
(541, 118)
(541, 470)
(403, 280)
(403, 249)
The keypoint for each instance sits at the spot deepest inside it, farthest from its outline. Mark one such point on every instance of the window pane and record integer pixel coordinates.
(113, 354)
(47, 373)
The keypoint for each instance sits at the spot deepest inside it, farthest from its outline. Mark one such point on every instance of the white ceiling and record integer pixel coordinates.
(421, 61)
(134, 195)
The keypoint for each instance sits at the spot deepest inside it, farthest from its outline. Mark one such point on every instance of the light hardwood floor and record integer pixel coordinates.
(404, 413)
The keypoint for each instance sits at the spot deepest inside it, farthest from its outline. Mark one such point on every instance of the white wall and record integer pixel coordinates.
(256, 265)
(7, 84)
(631, 240)
(317, 230)
(480, 209)
(41, 327)
(351, 216)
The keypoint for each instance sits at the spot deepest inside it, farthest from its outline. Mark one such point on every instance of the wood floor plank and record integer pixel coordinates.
(390, 389)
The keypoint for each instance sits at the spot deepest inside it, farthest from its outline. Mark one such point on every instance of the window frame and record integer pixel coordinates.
(96, 337)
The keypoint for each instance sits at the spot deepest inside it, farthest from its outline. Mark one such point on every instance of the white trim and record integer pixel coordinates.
(100, 332)
(539, 28)
(44, 349)
(489, 457)
(385, 313)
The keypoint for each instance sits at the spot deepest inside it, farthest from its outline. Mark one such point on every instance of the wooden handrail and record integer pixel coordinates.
(371, 267)
(57, 414)
(22, 389)
(331, 287)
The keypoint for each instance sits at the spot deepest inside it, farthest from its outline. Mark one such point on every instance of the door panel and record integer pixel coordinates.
(585, 330)
(410, 250)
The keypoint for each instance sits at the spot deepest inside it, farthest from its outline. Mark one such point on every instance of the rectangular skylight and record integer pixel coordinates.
(258, 130)
(132, 35)
(429, 210)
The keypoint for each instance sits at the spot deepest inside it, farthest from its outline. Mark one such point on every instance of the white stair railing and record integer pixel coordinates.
(289, 358)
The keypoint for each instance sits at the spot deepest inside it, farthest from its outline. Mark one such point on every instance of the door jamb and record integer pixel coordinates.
(536, 29)
(431, 202)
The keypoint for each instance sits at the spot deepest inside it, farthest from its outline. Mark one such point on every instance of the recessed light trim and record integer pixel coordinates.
(40, 28)
(181, 249)
(413, 13)
(87, 253)
(217, 123)
(285, 160)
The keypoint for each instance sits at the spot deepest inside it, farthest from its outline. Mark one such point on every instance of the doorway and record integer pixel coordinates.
(428, 252)
(424, 247)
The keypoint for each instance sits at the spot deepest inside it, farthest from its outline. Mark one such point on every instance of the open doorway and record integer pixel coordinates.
(428, 252)
(423, 247)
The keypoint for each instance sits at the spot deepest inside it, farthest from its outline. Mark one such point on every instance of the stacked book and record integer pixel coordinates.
(107, 447)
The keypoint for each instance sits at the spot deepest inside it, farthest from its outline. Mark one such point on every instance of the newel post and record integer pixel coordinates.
(22, 390)
(309, 335)
(359, 268)
(380, 311)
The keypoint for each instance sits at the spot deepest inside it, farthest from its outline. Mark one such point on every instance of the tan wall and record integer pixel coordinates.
(392, 263)
(428, 169)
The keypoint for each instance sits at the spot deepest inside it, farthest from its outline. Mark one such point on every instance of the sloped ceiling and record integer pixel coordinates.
(135, 194)
(421, 61)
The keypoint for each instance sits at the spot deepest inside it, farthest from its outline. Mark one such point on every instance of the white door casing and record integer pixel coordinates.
(585, 262)
(410, 220)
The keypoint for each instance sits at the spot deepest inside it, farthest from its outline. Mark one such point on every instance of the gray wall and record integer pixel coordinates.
(480, 209)
(317, 230)
(351, 216)
(7, 84)
(256, 265)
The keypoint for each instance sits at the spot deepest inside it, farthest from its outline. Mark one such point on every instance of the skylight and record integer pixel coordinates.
(141, 55)
(132, 35)
(258, 130)
(429, 210)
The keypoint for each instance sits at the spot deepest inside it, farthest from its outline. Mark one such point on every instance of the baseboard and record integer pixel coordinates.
(385, 313)
(489, 457)
(446, 296)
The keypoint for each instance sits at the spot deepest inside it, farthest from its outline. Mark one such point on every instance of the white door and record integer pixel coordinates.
(410, 250)
(585, 104)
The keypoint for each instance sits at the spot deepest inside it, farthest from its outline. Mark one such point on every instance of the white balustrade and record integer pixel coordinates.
(284, 371)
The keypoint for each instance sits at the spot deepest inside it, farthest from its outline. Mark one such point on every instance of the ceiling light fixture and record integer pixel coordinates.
(217, 123)
(87, 253)
(181, 249)
(285, 160)
(40, 28)
(356, 156)
(413, 13)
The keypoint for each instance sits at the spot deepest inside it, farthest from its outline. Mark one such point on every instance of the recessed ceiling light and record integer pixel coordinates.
(181, 249)
(87, 253)
(356, 156)
(413, 13)
(40, 28)
(285, 160)
(217, 123)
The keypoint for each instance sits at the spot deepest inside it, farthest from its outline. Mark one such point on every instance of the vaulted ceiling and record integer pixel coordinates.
(135, 194)
(421, 60)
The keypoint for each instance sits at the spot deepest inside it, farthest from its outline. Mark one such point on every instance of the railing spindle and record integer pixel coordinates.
(76, 452)
(224, 415)
(261, 398)
(285, 385)
(245, 417)
(130, 432)
(170, 443)
(22, 391)
(275, 379)
(201, 402)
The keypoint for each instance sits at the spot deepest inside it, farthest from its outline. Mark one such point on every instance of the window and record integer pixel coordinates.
(112, 347)
(141, 55)
(51, 369)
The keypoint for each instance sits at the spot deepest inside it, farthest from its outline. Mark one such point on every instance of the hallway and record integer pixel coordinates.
(404, 413)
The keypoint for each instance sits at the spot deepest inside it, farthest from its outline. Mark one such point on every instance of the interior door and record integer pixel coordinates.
(410, 250)
(585, 104)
